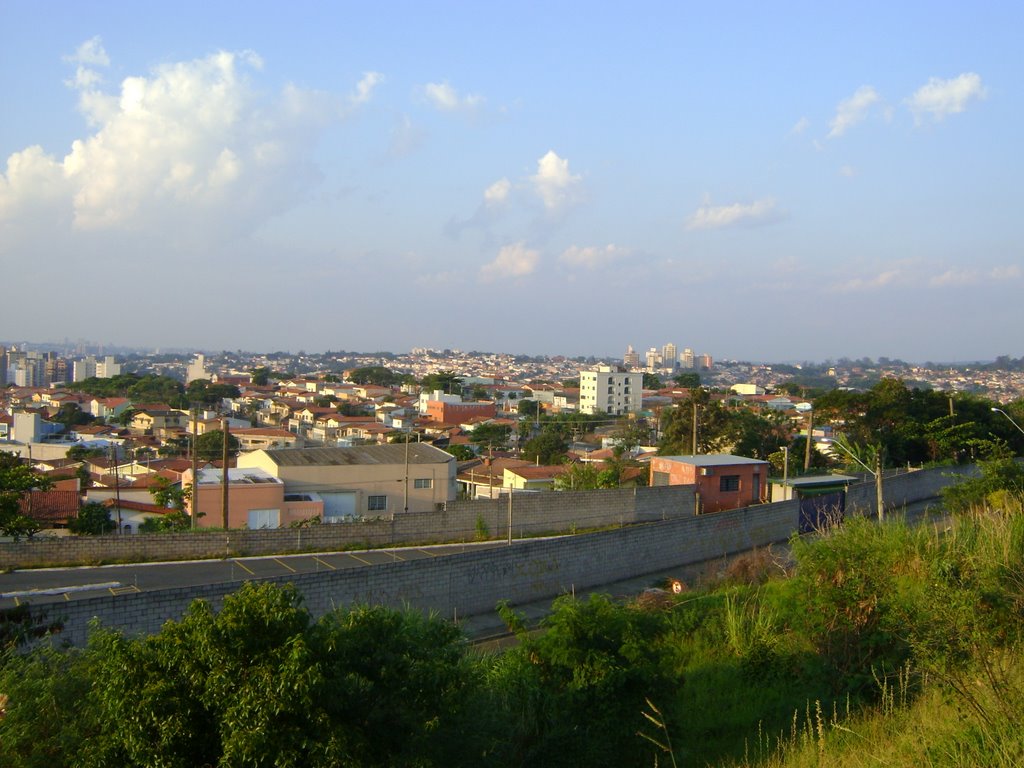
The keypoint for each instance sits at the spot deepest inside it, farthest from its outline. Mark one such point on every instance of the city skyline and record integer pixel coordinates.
(794, 185)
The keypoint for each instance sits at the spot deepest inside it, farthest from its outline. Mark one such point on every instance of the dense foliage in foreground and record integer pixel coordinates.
(869, 633)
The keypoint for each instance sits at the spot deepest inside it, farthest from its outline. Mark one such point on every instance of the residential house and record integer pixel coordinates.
(256, 499)
(370, 480)
(721, 481)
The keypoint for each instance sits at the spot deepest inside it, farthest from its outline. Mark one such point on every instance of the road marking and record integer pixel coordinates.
(282, 563)
(59, 590)
(396, 555)
(357, 557)
(242, 565)
(324, 562)
(427, 552)
(122, 590)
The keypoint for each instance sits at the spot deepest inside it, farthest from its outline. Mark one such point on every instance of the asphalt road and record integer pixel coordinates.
(49, 585)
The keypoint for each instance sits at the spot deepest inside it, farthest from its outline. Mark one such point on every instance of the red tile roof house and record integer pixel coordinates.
(51, 509)
(722, 481)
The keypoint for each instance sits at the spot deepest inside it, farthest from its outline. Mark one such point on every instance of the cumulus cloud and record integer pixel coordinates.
(445, 98)
(800, 126)
(88, 55)
(498, 192)
(553, 182)
(190, 149)
(591, 256)
(851, 111)
(720, 216)
(940, 98)
(514, 260)
(365, 87)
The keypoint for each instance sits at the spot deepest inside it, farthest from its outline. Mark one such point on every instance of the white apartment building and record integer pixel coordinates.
(609, 390)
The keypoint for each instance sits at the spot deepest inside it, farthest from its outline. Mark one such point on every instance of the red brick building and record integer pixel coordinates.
(457, 413)
(722, 481)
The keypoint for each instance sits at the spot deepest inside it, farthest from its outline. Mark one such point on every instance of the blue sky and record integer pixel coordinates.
(756, 181)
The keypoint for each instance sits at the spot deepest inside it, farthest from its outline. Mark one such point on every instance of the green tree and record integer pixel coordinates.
(210, 445)
(576, 693)
(549, 447)
(16, 480)
(260, 377)
(715, 427)
(461, 452)
(375, 374)
(71, 415)
(688, 380)
(93, 520)
(529, 408)
(259, 683)
(651, 381)
(445, 381)
(491, 435)
(208, 393)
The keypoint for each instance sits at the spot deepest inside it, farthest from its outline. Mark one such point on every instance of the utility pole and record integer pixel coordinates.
(694, 425)
(117, 487)
(879, 496)
(810, 439)
(406, 494)
(224, 482)
(195, 467)
(510, 517)
(785, 471)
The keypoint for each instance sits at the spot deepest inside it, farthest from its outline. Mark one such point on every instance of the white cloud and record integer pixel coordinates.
(512, 261)
(881, 280)
(591, 256)
(852, 110)
(954, 277)
(445, 98)
(188, 150)
(365, 87)
(91, 53)
(800, 126)
(848, 171)
(553, 182)
(1009, 272)
(940, 98)
(497, 193)
(720, 216)
(88, 55)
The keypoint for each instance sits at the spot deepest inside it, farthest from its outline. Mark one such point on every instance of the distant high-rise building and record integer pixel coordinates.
(3, 366)
(653, 359)
(608, 390)
(631, 359)
(705, 362)
(686, 359)
(83, 369)
(108, 369)
(669, 356)
(197, 369)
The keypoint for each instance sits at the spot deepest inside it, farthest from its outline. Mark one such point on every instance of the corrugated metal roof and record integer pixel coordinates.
(419, 453)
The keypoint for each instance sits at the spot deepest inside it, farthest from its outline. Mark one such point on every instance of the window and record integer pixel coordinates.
(729, 483)
(377, 503)
(423, 482)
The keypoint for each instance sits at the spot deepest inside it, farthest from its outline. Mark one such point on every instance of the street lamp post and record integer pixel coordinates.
(876, 472)
(1000, 410)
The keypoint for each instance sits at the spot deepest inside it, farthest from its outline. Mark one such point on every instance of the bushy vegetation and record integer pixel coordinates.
(898, 642)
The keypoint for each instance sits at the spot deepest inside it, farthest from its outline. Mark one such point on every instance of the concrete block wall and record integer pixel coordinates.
(906, 488)
(471, 583)
(532, 513)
